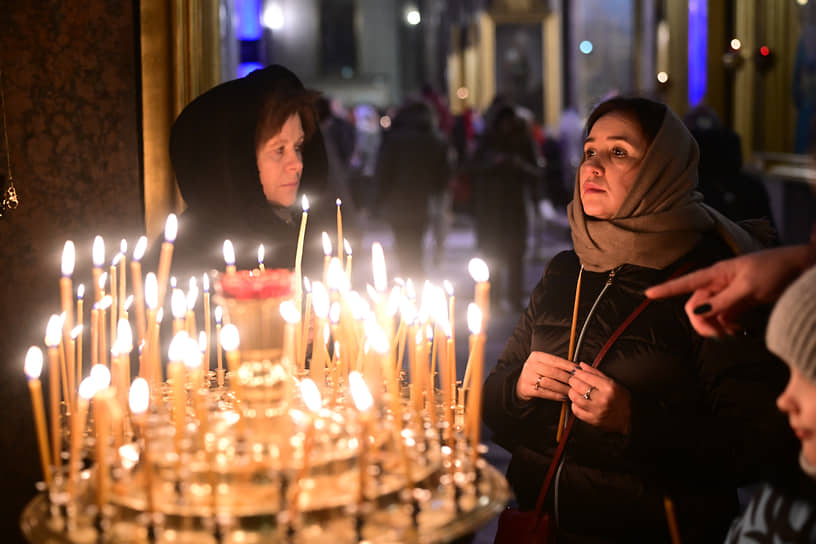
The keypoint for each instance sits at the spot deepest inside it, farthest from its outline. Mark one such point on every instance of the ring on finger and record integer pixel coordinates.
(538, 382)
(589, 392)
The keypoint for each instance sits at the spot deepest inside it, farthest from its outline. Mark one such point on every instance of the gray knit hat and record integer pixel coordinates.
(791, 330)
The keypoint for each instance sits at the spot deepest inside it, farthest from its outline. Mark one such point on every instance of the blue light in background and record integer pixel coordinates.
(585, 47)
(248, 15)
(245, 68)
(697, 37)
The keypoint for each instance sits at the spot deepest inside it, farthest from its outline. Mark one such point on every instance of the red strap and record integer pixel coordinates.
(559, 451)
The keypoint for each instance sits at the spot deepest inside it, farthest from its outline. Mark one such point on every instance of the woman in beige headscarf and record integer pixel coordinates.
(667, 413)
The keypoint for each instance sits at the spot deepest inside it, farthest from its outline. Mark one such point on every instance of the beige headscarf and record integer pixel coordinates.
(662, 218)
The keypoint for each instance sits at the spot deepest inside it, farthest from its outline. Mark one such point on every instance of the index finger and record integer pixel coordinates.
(683, 284)
(540, 357)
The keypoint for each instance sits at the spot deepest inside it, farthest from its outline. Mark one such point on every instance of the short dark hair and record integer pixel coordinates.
(279, 106)
(648, 113)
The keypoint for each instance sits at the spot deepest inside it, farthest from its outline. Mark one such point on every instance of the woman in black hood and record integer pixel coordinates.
(243, 152)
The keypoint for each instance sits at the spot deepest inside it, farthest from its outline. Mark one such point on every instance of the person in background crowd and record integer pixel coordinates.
(412, 168)
(667, 412)
(784, 509)
(364, 158)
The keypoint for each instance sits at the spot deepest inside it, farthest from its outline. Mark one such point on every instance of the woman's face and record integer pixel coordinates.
(280, 163)
(798, 401)
(613, 155)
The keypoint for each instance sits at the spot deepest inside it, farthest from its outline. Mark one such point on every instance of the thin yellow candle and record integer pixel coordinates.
(192, 362)
(306, 324)
(124, 337)
(320, 303)
(339, 202)
(476, 363)
(334, 320)
(452, 320)
(86, 392)
(291, 316)
(166, 256)
(147, 368)
(98, 254)
(363, 402)
(80, 323)
(175, 373)
(205, 285)
(230, 340)
(334, 368)
(327, 251)
(138, 289)
(219, 373)
(261, 257)
(192, 297)
(33, 369)
(101, 408)
(114, 292)
(449, 386)
(430, 385)
(178, 306)
(139, 402)
(94, 335)
(104, 305)
(122, 276)
(480, 274)
(229, 257)
(67, 303)
(347, 247)
(76, 347)
(52, 341)
(299, 253)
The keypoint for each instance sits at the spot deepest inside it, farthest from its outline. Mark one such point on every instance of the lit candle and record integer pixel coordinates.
(175, 374)
(139, 401)
(205, 285)
(338, 202)
(347, 247)
(98, 253)
(192, 362)
(306, 324)
(124, 336)
(230, 340)
(122, 276)
(87, 389)
(192, 297)
(373, 373)
(327, 251)
(33, 368)
(103, 306)
(320, 303)
(363, 402)
(452, 320)
(151, 294)
(378, 267)
(138, 291)
(178, 307)
(299, 253)
(80, 323)
(476, 366)
(480, 274)
(166, 256)
(229, 257)
(101, 409)
(261, 257)
(94, 335)
(52, 341)
(76, 347)
(219, 373)
(114, 293)
(67, 300)
(291, 316)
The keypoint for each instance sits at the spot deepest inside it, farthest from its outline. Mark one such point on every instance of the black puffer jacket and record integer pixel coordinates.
(703, 414)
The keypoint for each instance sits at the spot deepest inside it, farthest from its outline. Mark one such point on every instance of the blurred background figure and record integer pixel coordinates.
(804, 88)
(504, 172)
(364, 157)
(412, 168)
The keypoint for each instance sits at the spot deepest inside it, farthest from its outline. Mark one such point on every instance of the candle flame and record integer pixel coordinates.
(429, 333)
(128, 302)
(230, 338)
(53, 331)
(105, 302)
(229, 253)
(327, 246)
(372, 293)
(474, 318)
(304, 203)
(446, 329)
(76, 331)
(307, 285)
(171, 228)
(410, 290)
(68, 258)
(320, 300)
(178, 346)
(418, 337)
(98, 251)
(338, 202)
(336, 278)
(326, 333)
(139, 396)
(172, 282)
(289, 312)
(376, 337)
(101, 377)
(178, 303)
(192, 355)
(123, 246)
(359, 307)
(478, 270)
(310, 394)
(205, 283)
(124, 334)
(260, 254)
(81, 291)
(202, 341)
(33, 363)
(394, 300)
(159, 315)
(87, 388)
(192, 295)
(116, 259)
(334, 312)
(218, 313)
(151, 291)
(141, 247)
(347, 247)
(359, 391)
(448, 287)
(408, 310)
(378, 266)
(103, 279)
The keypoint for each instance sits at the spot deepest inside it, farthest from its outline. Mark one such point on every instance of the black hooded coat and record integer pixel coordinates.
(212, 149)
